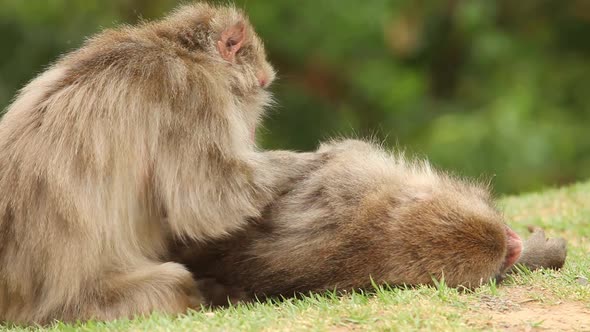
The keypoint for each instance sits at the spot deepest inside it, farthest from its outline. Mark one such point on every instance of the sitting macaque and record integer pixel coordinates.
(144, 134)
(366, 215)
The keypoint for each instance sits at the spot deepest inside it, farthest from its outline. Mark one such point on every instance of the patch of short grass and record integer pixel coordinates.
(562, 212)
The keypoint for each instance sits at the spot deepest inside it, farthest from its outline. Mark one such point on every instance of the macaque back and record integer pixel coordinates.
(143, 134)
(365, 214)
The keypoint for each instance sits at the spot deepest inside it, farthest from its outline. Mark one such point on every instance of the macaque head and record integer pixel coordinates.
(455, 233)
(225, 34)
(233, 54)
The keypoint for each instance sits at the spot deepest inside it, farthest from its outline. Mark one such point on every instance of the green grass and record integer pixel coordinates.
(550, 300)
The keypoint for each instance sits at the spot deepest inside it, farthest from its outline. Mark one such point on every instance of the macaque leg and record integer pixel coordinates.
(161, 287)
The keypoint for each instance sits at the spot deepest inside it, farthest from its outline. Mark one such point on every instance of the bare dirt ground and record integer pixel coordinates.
(516, 311)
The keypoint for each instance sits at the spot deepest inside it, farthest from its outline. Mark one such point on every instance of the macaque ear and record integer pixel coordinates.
(231, 41)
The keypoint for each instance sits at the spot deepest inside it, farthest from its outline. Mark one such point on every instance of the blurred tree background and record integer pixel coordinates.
(492, 88)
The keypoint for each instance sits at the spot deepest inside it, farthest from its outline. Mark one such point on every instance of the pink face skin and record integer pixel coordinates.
(264, 83)
(514, 248)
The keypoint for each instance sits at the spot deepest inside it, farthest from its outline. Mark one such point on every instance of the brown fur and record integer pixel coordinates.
(143, 134)
(540, 252)
(364, 213)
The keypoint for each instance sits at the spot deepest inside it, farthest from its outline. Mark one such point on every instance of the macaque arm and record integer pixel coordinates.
(209, 197)
(279, 169)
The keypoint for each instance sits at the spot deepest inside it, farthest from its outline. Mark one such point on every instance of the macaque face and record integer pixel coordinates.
(239, 45)
(252, 57)
(513, 249)
(250, 74)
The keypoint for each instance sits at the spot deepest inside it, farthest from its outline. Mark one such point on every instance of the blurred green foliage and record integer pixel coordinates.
(492, 88)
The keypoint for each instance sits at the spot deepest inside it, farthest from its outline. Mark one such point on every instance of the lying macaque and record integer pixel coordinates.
(367, 215)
